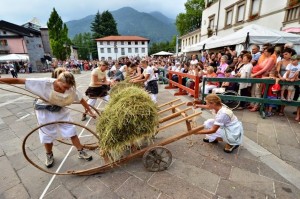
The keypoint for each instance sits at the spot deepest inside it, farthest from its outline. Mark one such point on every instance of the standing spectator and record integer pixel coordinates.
(245, 72)
(12, 70)
(257, 72)
(271, 93)
(263, 57)
(222, 67)
(281, 69)
(255, 54)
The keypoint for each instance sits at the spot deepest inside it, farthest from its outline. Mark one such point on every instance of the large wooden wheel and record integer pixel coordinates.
(90, 146)
(157, 159)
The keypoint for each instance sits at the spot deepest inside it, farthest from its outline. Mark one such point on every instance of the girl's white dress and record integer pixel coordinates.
(231, 129)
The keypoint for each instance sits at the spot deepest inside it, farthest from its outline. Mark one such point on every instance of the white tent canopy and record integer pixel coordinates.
(257, 35)
(162, 53)
(14, 57)
(200, 45)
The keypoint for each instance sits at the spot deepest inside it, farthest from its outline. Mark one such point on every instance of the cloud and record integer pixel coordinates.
(22, 11)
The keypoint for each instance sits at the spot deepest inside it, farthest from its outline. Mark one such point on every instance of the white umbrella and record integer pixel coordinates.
(162, 53)
(14, 57)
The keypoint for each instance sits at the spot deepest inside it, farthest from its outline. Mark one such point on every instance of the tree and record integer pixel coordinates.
(163, 46)
(58, 36)
(103, 25)
(84, 42)
(191, 20)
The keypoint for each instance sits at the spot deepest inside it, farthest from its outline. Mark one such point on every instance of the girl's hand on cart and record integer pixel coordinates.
(94, 116)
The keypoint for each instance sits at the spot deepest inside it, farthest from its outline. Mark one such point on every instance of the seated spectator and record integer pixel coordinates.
(209, 84)
(176, 69)
(185, 69)
(229, 85)
(258, 71)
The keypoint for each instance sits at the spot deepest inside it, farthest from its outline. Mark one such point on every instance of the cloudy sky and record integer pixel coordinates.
(22, 11)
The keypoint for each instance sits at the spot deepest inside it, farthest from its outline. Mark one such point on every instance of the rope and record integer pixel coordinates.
(51, 123)
(39, 97)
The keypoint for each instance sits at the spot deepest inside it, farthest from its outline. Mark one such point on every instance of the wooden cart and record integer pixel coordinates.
(155, 156)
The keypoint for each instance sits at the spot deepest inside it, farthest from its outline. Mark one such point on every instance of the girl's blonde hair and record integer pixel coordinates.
(214, 99)
(67, 78)
(210, 69)
(57, 72)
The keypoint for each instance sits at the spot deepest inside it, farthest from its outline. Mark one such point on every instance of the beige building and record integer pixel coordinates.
(223, 17)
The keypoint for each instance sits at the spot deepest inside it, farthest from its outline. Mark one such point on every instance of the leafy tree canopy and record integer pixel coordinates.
(191, 19)
(58, 36)
(163, 46)
(84, 43)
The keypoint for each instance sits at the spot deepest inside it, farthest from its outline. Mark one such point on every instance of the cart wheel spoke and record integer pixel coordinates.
(157, 159)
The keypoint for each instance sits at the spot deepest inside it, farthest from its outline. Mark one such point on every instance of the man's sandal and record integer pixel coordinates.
(230, 148)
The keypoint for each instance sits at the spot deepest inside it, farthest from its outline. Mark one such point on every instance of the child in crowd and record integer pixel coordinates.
(209, 84)
(272, 92)
(291, 74)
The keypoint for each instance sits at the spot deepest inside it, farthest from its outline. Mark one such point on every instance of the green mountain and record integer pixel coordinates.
(154, 26)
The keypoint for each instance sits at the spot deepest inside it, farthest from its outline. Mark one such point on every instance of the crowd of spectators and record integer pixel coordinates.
(266, 61)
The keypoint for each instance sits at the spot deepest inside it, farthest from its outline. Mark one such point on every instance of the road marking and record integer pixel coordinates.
(61, 164)
(12, 101)
(22, 117)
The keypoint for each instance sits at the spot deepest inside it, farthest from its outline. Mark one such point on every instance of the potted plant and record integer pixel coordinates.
(252, 17)
(293, 2)
(209, 32)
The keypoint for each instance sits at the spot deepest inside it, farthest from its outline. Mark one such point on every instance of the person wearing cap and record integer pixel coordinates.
(99, 85)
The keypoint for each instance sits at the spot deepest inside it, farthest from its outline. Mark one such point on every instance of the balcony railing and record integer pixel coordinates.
(292, 13)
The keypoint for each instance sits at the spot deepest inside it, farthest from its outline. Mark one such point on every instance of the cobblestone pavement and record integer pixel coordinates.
(267, 165)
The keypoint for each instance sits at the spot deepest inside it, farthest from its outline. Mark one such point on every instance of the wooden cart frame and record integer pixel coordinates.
(155, 156)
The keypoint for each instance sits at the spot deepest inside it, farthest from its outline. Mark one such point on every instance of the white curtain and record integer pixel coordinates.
(255, 7)
(239, 48)
(241, 11)
(229, 18)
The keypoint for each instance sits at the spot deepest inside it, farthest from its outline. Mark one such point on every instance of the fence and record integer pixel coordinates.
(183, 90)
(263, 100)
